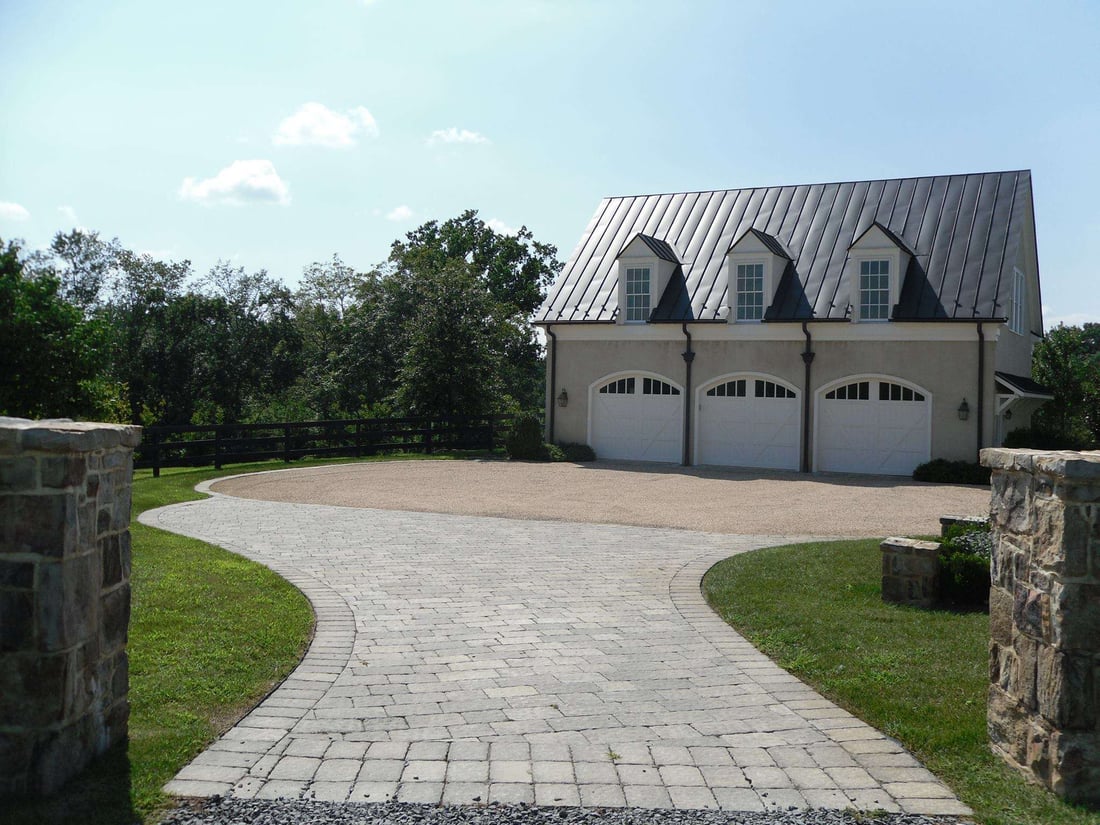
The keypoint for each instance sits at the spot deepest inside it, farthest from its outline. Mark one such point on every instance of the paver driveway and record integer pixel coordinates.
(464, 659)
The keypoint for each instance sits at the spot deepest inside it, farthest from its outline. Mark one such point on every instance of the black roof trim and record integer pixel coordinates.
(1022, 385)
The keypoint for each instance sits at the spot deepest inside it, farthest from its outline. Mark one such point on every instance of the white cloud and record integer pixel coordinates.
(241, 182)
(314, 124)
(13, 212)
(454, 135)
(500, 227)
(400, 213)
(68, 214)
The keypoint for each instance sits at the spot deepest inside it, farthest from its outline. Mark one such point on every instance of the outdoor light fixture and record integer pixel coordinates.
(1008, 415)
(563, 399)
(964, 411)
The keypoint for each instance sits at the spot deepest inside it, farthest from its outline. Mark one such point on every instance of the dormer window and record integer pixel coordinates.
(644, 266)
(874, 290)
(750, 292)
(877, 262)
(637, 293)
(754, 264)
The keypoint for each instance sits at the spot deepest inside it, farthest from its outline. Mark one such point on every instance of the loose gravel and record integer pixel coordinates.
(227, 811)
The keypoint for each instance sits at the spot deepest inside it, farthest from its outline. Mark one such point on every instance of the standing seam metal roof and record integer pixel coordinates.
(964, 232)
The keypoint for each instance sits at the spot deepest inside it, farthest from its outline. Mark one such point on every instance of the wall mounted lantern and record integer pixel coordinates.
(964, 411)
(563, 399)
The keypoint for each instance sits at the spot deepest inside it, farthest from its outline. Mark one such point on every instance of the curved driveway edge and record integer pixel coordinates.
(466, 659)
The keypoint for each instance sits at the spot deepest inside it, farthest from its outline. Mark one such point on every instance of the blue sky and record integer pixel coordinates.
(278, 134)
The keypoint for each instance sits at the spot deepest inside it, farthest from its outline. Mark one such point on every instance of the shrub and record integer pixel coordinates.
(964, 565)
(1035, 438)
(952, 472)
(525, 440)
(578, 452)
(552, 452)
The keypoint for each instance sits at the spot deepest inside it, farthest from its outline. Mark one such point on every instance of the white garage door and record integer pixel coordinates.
(873, 426)
(749, 422)
(637, 418)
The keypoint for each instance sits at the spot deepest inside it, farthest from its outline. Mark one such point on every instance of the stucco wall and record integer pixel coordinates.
(946, 369)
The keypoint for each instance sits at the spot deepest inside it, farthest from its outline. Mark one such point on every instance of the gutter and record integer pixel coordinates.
(807, 359)
(689, 356)
(553, 384)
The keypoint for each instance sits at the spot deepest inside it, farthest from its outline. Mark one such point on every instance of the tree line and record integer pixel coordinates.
(92, 330)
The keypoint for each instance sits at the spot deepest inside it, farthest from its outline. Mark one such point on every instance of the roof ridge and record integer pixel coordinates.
(815, 183)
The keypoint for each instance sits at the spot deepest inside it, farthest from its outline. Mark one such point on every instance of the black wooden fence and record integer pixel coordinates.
(218, 444)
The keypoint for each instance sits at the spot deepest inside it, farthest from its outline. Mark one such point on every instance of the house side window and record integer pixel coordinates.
(1017, 310)
(750, 292)
(874, 290)
(623, 386)
(637, 293)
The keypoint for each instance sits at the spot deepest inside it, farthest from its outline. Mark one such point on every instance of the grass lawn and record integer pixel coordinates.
(918, 675)
(210, 634)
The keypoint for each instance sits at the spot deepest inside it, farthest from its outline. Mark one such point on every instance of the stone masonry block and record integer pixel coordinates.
(31, 692)
(1008, 724)
(17, 474)
(1000, 615)
(1075, 772)
(63, 471)
(1061, 538)
(43, 525)
(16, 574)
(1065, 690)
(1011, 507)
(1076, 616)
(1031, 612)
(16, 620)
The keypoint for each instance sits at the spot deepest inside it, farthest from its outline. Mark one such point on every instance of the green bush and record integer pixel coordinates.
(525, 440)
(553, 452)
(964, 565)
(952, 472)
(1035, 438)
(578, 452)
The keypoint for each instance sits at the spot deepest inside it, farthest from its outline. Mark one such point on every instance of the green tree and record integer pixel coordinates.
(49, 352)
(451, 366)
(1068, 361)
(509, 272)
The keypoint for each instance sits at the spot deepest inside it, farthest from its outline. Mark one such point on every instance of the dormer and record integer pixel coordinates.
(876, 265)
(644, 268)
(754, 264)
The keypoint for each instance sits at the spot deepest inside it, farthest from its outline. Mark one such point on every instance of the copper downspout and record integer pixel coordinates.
(981, 389)
(807, 359)
(689, 356)
(553, 384)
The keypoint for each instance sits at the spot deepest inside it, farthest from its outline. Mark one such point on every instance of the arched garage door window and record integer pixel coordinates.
(872, 424)
(636, 417)
(748, 420)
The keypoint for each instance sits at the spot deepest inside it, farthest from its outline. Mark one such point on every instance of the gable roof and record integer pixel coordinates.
(964, 233)
(773, 245)
(662, 249)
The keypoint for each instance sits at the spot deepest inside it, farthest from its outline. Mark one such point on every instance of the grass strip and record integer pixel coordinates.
(919, 676)
(210, 634)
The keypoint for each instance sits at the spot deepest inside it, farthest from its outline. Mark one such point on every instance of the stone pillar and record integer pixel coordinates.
(64, 597)
(910, 568)
(1044, 616)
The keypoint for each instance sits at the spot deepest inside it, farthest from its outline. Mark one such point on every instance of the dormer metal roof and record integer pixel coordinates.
(963, 231)
(772, 243)
(660, 248)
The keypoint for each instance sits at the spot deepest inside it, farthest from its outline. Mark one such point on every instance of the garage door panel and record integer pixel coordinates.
(749, 431)
(637, 427)
(873, 435)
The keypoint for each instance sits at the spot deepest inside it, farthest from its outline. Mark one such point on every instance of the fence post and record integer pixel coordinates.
(217, 446)
(428, 437)
(358, 439)
(286, 443)
(156, 454)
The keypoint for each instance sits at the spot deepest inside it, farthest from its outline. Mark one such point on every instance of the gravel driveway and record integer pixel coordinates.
(711, 500)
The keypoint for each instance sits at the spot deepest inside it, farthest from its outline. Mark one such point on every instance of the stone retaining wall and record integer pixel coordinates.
(1044, 614)
(64, 597)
